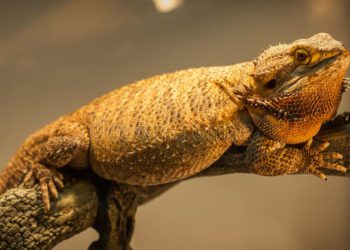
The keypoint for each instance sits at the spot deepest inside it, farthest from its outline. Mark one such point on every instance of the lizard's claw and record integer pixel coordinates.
(317, 158)
(49, 179)
(244, 93)
(346, 84)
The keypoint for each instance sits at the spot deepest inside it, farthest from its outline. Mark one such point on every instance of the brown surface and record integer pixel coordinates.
(56, 57)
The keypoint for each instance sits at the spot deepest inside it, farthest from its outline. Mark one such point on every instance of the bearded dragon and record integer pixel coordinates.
(173, 126)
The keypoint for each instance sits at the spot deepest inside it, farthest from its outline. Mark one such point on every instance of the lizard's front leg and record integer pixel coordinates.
(67, 144)
(271, 158)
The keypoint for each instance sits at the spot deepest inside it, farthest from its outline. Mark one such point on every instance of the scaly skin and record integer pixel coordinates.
(151, 132)
(173, 126)
(158, 130)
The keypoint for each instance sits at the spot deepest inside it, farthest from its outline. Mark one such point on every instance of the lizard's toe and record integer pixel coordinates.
(332, 156)
(308, 144)
(58, 181)
(29, 179)
(319, 148)
(52, 188)
(319, 159)
(45, 193)
(318, 173)
(49, 179)
(320, 164)
(334, 166)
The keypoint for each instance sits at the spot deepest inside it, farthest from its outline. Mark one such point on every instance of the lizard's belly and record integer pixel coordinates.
(150, 161)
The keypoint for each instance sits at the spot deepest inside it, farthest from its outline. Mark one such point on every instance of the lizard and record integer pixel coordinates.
(189, 118)
(173, 126)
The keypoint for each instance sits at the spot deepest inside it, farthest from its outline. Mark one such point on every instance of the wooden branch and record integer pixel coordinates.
(24, 223)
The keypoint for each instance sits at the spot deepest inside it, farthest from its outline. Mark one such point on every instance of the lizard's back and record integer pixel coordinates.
(165, 128)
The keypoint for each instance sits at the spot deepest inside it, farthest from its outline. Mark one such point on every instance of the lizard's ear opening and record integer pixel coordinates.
(271, 84)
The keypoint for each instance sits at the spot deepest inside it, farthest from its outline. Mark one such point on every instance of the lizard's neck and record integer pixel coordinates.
(304, 112)
(240, 82)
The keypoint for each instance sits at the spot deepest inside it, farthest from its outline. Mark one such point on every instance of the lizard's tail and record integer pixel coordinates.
(3, 183)
(4, 176)
(11, 176)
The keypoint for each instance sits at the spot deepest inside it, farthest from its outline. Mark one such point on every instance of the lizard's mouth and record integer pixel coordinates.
(305, 71)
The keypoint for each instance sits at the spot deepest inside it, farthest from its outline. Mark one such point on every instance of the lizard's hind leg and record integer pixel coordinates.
(66, 145)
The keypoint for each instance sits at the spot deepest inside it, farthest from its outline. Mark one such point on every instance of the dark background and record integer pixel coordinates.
(58, 55)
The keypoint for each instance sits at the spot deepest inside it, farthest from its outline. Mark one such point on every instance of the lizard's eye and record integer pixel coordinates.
(302, 56)
(271, 84)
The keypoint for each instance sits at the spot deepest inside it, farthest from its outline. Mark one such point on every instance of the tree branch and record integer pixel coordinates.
(23, 221)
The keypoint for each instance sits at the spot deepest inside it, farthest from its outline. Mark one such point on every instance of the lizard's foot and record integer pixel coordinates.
(48, 178)
(317, 158)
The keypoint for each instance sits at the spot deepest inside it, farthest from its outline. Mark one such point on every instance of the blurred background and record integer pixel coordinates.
(58, 55)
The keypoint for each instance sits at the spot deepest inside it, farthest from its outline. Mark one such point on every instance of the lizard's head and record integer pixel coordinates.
(298, 87)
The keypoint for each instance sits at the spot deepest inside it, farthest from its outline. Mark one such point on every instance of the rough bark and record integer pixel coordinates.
(24, 223)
